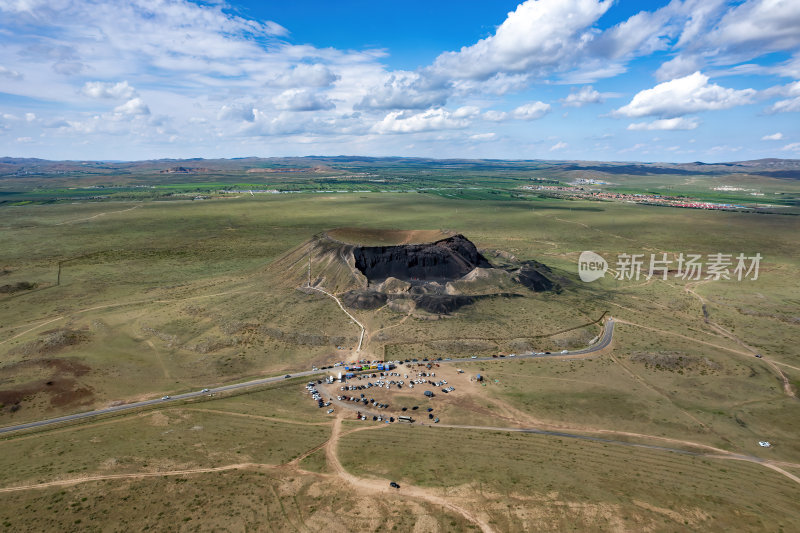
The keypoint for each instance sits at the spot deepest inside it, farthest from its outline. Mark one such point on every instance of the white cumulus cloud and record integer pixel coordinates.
(678, 123)
(774, 137)
(585, 95)
(430, 120)
(539, 33)
(98, 89)
(681, 96)
(531, 111)
(133, 107)
(467, 111)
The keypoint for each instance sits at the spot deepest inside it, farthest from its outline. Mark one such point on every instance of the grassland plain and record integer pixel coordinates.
(524, 482)
(158, 441)
(237, 501)
(193, 272)
(168, 296)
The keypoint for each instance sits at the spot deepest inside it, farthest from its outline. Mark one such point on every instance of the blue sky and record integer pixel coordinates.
(683, 80)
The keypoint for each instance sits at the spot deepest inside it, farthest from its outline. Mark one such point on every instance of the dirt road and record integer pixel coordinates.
(373, 486)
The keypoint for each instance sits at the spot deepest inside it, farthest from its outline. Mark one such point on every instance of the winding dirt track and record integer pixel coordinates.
(787, 387)
(95, 216)
(373, 486)
(338, 301)
(34, 328)
(138, 475)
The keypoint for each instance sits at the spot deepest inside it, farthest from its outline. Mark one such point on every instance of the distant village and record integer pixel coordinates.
(577, 189)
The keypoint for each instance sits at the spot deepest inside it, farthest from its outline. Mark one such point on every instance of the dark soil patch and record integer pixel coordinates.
(58, 381)
(17, 287)
(675, 362)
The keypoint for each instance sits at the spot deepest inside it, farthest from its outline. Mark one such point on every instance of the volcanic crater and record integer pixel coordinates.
(433, 272)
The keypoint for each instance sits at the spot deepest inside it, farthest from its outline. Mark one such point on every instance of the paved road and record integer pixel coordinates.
(136, 405)
(602, 343)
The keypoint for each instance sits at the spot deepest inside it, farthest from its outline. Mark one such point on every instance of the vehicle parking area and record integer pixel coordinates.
(403, 392)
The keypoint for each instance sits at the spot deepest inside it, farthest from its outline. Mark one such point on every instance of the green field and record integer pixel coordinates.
(162, 295)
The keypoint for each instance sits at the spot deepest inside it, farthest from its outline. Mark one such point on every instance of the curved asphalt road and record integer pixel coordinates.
(602, 343)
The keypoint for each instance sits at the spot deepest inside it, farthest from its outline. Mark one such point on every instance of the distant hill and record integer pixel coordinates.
(19, 167)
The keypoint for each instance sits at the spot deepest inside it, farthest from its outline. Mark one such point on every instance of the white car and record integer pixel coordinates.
(474, 357)
(205, 390)
(564, 351)
(165, 397)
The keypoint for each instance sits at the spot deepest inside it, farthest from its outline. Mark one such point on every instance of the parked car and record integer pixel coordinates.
(394, 485)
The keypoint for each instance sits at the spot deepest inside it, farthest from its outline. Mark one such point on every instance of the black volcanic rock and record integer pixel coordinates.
(364, 299)
(533, 275)
(447, 259)
(442, 304)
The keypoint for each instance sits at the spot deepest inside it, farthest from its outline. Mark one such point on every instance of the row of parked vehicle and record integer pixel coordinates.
(375, 418)
(369, 385)
(363, 400)
(311, 387)
(389, 384)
